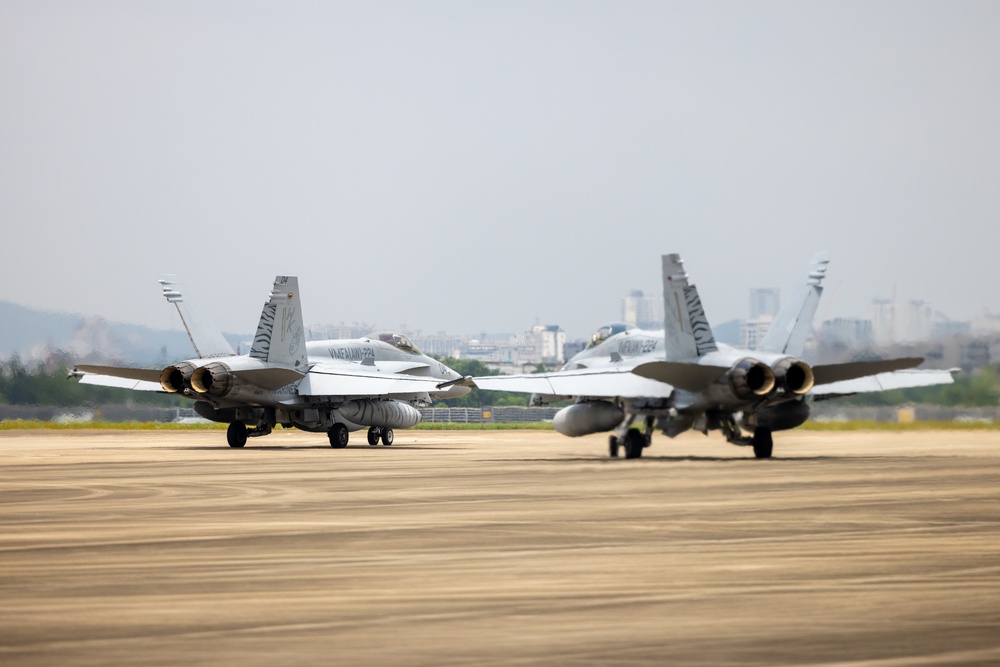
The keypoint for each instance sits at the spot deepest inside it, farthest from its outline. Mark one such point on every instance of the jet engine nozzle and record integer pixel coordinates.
(749, 377)
(214, 379)
(794, 375)
(175, 379)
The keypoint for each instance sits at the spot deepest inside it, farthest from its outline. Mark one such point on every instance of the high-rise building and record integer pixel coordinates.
(752, 331)
(847, 332)
(645, 312)
(919, 321)
(884, 321)
(764, 301)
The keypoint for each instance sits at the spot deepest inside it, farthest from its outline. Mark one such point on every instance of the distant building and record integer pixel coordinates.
(752, 331)
(943, 327)
(884, 321)
(764, 302)
(919, 322)
(439, 345)
(548, 341)
(986, 323)
(764, 305)
(645, 312)
(521, 353)
(847, 333)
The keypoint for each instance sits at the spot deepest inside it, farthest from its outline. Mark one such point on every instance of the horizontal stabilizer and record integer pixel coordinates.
(690, 377)
(139, 379)
(121, 383)
(269, 378)
(858, 369)
(144, 374)
(884, 382)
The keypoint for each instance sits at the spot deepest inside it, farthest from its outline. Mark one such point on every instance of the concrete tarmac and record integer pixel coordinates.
(498, 548)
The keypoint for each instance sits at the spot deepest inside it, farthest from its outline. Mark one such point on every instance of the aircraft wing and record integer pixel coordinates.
(400, 366)
(883, 382)
(139, 379)
(354, 380)
(609, 382)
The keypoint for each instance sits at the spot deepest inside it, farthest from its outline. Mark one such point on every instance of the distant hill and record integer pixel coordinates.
(36, 334)
(727, 332)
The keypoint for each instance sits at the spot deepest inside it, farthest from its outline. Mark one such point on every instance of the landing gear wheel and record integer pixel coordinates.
(373, 435)
(387, 436)
(634, 443)
(613, 446)
(236, 434)
(338, 436)
(762, 443)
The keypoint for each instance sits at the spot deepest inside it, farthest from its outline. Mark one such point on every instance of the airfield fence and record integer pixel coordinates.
(488, 415)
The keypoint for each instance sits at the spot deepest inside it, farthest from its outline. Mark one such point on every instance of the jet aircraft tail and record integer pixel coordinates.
(686, 330)
(792, 324)
(280, 337)
(208, 341)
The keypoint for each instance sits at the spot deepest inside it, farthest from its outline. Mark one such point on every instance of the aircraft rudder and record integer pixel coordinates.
(793, 323)
(280, 337)
(206, 339)
(687, 332)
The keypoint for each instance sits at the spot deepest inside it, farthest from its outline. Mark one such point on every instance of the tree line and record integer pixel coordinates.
(51, 386)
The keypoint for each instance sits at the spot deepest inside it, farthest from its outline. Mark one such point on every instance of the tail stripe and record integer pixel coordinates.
(700, 328)
(262, 339)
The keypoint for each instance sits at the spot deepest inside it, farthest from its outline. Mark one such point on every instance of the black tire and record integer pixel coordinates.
(236, 434)
(634, 444)
(613, 446)
(763, 444)
(338, 436)
(373, 435)
(387, 436)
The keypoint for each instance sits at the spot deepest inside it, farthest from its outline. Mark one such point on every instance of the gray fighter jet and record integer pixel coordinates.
(328, 386)
(632, 381)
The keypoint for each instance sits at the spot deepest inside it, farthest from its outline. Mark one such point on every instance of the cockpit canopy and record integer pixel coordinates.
(397, 340)
(606, 332)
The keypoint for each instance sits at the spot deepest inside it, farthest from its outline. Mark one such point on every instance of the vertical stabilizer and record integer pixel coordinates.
(686, 330)
(207, 340)
(792, 324)
(280, 337)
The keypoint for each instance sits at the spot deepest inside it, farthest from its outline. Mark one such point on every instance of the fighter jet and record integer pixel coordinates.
(331, 386)
(632, 381)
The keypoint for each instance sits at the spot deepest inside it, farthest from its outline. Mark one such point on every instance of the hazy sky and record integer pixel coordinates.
(477, 166)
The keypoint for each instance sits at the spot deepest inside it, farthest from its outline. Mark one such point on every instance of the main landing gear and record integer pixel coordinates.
(761, 440)
(762, 443)
(376, 433)
(236, 434)
(633, 442)
(338, 436)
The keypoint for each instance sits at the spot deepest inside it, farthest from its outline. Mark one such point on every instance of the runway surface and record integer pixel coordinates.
(498, 548)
